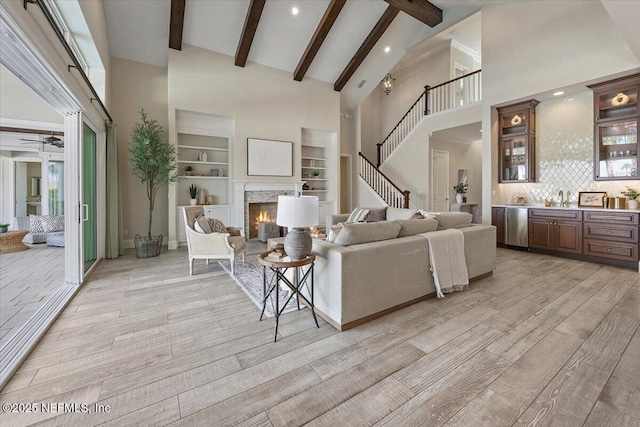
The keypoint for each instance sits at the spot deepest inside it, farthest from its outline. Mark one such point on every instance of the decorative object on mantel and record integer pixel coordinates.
(387, 83)
(269, 158)
(193, 193)
(154, 161)
(297, 213)
(632, 194)
(620, 99)
(516, 120)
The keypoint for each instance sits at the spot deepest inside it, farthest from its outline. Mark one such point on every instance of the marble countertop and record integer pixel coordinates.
(570, 207)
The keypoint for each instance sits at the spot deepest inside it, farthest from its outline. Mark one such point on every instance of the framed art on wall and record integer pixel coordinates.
(267, 157)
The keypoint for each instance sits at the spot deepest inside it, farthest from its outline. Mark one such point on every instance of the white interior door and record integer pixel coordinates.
(440, 181)
(21, 188)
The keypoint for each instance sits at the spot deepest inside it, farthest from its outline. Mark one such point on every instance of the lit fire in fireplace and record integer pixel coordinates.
(263, 217)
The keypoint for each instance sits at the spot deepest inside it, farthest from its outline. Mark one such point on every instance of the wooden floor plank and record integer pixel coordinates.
(543, 340)
(322, 398)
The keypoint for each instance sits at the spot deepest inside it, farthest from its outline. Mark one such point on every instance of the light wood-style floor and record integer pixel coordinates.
(27, 280)
(544, 341)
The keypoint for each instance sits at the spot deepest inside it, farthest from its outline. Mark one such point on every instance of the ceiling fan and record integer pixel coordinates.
(51, 140)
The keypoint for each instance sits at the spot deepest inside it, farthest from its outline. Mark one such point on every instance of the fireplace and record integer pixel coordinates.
(263, 212)
(260, 193)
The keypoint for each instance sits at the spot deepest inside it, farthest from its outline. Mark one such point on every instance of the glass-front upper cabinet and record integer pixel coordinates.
(616, 154)
(517, 142)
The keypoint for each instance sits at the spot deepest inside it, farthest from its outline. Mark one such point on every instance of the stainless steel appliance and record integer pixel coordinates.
(516, 226)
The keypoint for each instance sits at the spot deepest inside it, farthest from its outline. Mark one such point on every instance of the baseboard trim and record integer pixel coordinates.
(362, 320)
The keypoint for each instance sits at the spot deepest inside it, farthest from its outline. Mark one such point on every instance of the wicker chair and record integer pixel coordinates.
(213, 245)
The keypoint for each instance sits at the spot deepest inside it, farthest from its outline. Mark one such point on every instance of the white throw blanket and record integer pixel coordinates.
(448, 264)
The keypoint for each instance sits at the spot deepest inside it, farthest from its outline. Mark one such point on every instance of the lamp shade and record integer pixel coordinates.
(297, 211)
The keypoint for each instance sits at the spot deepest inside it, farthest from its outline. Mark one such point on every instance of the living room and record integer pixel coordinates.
(153, 343)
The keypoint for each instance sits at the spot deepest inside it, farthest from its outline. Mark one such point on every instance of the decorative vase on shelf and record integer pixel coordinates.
(620, 99)
(632, 204)
(193, 202)
(459, 198)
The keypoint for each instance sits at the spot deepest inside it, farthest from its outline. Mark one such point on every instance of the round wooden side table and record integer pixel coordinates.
(300, 278)
(11, 241)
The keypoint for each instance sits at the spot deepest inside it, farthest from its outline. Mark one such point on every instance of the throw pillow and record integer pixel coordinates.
(398, 213)
(357, 215)
(202, 225)
(410, 227)
(217, 226)
(376, 215)
(333, 233)
(46, 223)
(357, 233)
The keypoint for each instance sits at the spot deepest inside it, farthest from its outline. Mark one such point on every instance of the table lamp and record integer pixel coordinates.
(297, 213)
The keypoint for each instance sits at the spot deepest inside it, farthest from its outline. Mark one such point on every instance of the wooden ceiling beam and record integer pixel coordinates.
(249, 31)
(32, 131)
(176, 24)
(422, 10)
(327, 21)
(381, 26)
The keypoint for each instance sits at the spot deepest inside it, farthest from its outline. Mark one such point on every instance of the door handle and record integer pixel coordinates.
(85, 216)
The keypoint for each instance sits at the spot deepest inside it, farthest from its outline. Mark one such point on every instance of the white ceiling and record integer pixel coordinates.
(139, 30)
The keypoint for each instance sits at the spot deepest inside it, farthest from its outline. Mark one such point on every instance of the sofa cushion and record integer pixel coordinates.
(357, 215)
(354, 234)
(333, 233)
(46, 223)
(399, 213)
(410, 227)
(376, 214)
(453, 220)
(33, 238)
(201, 225)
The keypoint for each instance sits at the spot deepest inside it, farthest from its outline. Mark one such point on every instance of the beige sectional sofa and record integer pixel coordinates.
(357, 283)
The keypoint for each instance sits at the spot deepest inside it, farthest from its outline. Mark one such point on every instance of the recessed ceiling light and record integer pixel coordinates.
(387, 49)
(294, 10)
(558, 93)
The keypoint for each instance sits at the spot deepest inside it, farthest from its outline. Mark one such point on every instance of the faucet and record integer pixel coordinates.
(561, 194)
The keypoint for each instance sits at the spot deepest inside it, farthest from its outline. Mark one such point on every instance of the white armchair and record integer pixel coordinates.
(212, 245)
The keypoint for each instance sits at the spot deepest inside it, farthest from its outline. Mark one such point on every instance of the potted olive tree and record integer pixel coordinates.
(153, 161)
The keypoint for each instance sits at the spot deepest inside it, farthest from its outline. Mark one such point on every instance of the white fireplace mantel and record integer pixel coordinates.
(240, 187)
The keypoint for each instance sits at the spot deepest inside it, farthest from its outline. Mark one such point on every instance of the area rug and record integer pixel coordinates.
(249, 277)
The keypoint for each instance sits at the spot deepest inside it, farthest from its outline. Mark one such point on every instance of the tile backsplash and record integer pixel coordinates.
(564, 154)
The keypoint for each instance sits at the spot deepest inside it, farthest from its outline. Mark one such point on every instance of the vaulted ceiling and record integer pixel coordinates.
(139, 30)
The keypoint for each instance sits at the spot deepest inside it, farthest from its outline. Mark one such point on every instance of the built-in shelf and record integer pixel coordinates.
(195, 162)
(322, 159)
(314, 167)
(205, 177)
(193, 147)
(316, 179)
(315, 191)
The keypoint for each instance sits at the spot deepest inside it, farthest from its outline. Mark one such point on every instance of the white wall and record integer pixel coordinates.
(530, 48)
(135, 86)
(264, 102)
(381, 112)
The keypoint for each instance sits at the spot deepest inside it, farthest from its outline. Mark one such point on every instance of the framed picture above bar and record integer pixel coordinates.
(591, 199)
(266, 157)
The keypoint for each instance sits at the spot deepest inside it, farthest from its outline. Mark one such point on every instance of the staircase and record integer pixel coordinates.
(390, 193)
(458, 92)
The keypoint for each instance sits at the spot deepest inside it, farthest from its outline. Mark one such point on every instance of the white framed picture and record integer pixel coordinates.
(267, 157)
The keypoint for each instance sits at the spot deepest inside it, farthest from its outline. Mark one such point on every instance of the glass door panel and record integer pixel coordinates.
(56, 188)
(89, 214)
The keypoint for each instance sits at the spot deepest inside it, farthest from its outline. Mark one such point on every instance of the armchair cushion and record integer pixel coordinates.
(237, 242)
(217, 226)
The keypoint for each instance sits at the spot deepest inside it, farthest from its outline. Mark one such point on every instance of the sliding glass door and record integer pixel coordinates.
(89, 199)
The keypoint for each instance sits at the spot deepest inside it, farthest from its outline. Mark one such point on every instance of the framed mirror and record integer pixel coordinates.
(35, 186)
(462, 176)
